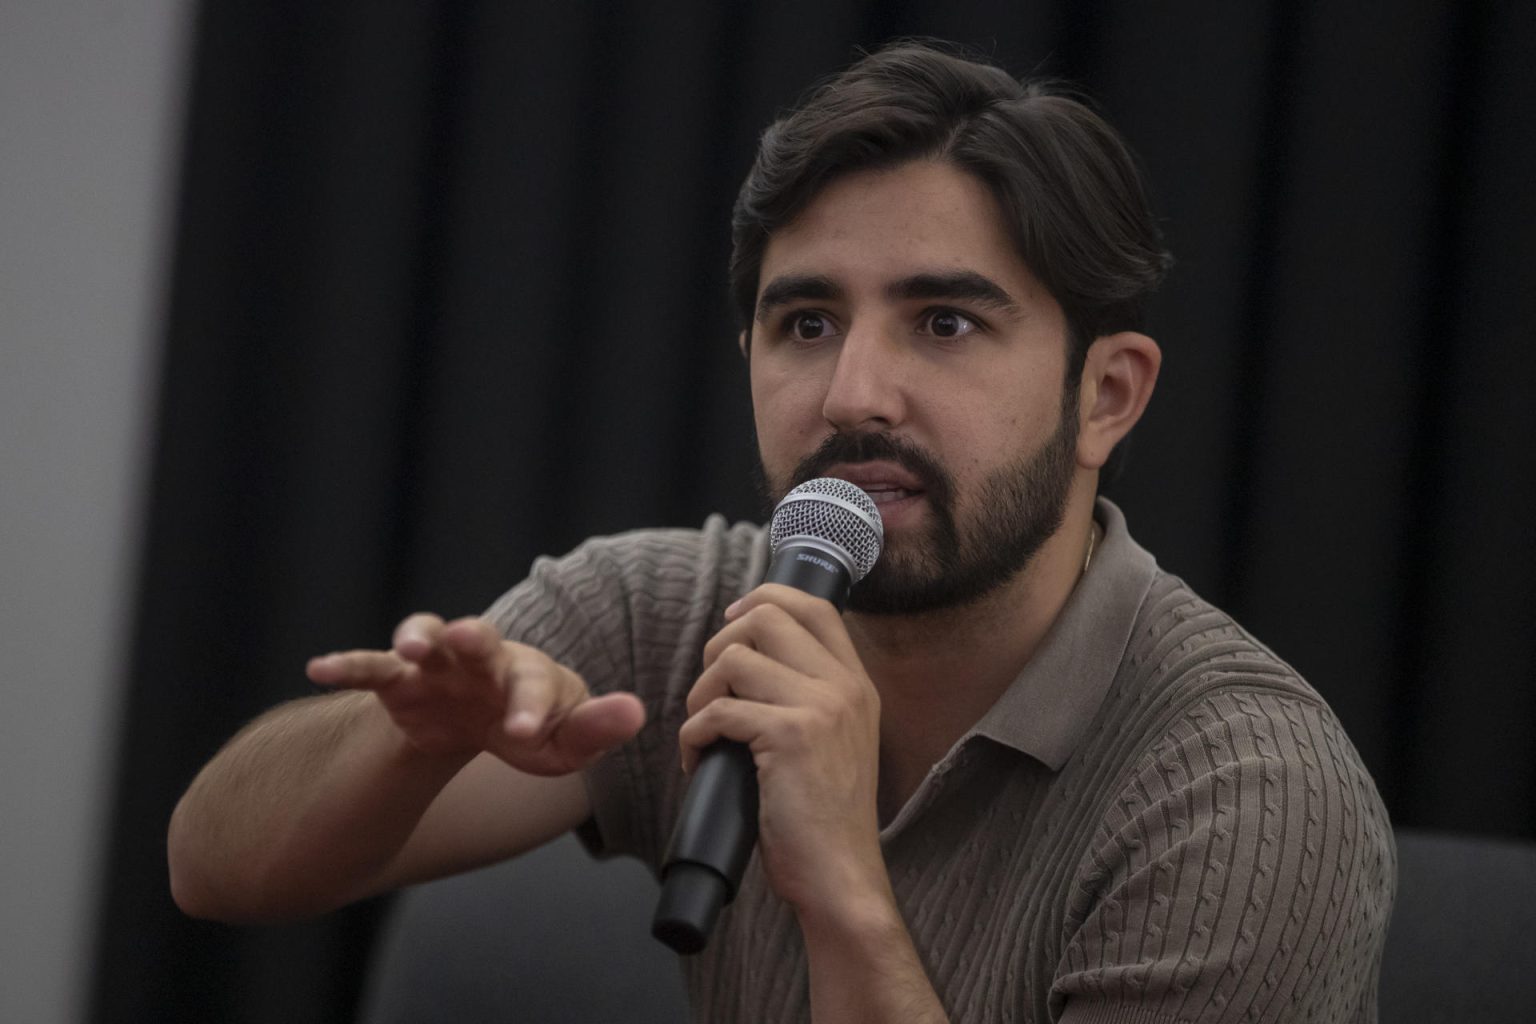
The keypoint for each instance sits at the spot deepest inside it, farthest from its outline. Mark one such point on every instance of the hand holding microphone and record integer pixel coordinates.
(782, 682)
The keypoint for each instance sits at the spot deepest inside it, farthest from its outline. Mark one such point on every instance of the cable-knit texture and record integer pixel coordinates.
(1211, 850)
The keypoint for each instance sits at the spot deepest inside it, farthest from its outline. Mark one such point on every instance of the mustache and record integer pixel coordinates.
(847, 449)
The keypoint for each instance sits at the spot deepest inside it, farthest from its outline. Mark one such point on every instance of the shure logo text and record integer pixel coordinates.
(820, 563)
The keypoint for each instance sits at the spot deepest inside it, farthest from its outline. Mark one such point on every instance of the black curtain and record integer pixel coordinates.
(449, 293)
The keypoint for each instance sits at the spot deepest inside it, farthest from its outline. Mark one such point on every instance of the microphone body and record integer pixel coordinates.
(813, 529)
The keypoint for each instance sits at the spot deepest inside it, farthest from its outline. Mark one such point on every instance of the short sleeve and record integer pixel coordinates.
(1244, 873)
(632, 612)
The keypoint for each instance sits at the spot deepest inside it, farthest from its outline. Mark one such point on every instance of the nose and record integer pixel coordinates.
(867, 390)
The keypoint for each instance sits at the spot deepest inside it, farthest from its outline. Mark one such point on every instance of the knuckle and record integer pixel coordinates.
(769, 615)
(869, 700)
(461, 686)
(528, 695)
(573, 681)
(786, 597)
(837, 715)
(524, 665)
(530, 673)
(703, 693)
(514, 659)
(797, 731)
(692, 732)
(735, 657)
(360, 669)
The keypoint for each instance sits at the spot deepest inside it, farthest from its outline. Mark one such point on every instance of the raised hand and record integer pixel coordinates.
(459, 688)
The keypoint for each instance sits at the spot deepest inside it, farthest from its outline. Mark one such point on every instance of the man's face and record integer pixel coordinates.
(901, 344)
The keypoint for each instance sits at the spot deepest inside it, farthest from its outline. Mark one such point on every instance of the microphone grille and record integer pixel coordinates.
(833, 512)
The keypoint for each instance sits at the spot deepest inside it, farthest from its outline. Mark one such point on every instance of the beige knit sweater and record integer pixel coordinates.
(1159, 821)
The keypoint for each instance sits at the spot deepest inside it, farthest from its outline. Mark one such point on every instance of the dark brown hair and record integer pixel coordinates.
(1066, 183)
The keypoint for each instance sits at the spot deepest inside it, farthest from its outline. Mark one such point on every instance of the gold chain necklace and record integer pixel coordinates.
(1093, 541)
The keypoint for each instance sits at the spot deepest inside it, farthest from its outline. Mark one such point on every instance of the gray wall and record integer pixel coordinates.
(90, 116)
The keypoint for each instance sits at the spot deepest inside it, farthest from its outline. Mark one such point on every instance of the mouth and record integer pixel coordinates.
(889, 495)
(887, 483)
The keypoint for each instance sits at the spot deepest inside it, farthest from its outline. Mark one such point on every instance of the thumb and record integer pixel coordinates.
(597, 725)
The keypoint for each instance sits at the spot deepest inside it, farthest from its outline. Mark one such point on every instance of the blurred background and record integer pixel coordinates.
(312, 315)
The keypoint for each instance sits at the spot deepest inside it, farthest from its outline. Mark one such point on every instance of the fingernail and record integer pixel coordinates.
(732, 608)
(525, 722)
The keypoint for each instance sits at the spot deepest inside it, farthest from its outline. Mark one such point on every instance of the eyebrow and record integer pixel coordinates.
(958, 286)
(795, 288)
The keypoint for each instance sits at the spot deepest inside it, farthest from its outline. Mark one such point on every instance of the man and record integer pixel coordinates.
(1028, 776)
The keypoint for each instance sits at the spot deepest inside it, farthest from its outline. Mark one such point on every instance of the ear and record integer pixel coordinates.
(1119, 374)
(744, 344)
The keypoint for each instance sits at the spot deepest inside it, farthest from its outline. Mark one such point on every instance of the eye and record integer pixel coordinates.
(946, 323)
(808, 326)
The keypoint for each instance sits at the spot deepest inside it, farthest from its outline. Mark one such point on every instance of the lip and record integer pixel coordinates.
(877, 476)
(898, 493)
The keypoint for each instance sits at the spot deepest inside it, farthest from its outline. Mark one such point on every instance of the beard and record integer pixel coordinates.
(956, 560)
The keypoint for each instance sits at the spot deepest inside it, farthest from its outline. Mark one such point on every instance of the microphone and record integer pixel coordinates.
(825, 537)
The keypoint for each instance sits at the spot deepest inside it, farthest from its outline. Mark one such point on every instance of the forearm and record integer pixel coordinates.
(863, 966)
(301, 812)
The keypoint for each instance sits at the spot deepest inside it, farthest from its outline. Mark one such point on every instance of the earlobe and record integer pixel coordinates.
(1119, 373)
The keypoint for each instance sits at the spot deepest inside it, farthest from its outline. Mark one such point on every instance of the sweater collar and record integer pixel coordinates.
(1047, 709)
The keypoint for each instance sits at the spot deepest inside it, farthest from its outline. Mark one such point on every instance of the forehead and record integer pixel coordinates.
(919, 217)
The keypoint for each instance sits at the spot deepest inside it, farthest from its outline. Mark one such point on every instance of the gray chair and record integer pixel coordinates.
(553, 936)
(1461, 948)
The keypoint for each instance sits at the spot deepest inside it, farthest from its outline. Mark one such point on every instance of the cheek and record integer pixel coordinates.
(775, 441)
(786, 409)
(992, 427)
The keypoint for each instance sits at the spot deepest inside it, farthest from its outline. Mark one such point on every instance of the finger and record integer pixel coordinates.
(534, 684)
(474, 644)
(765, 627)
(596, 726)
(357, 670)
(774, 631)
(742, 671)
(745, 721)
(816, 615)
(417, 635)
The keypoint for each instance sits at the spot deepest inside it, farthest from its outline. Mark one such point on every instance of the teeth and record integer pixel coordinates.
(882, 497)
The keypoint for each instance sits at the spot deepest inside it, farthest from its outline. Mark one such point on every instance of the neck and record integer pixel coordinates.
(939, 672)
